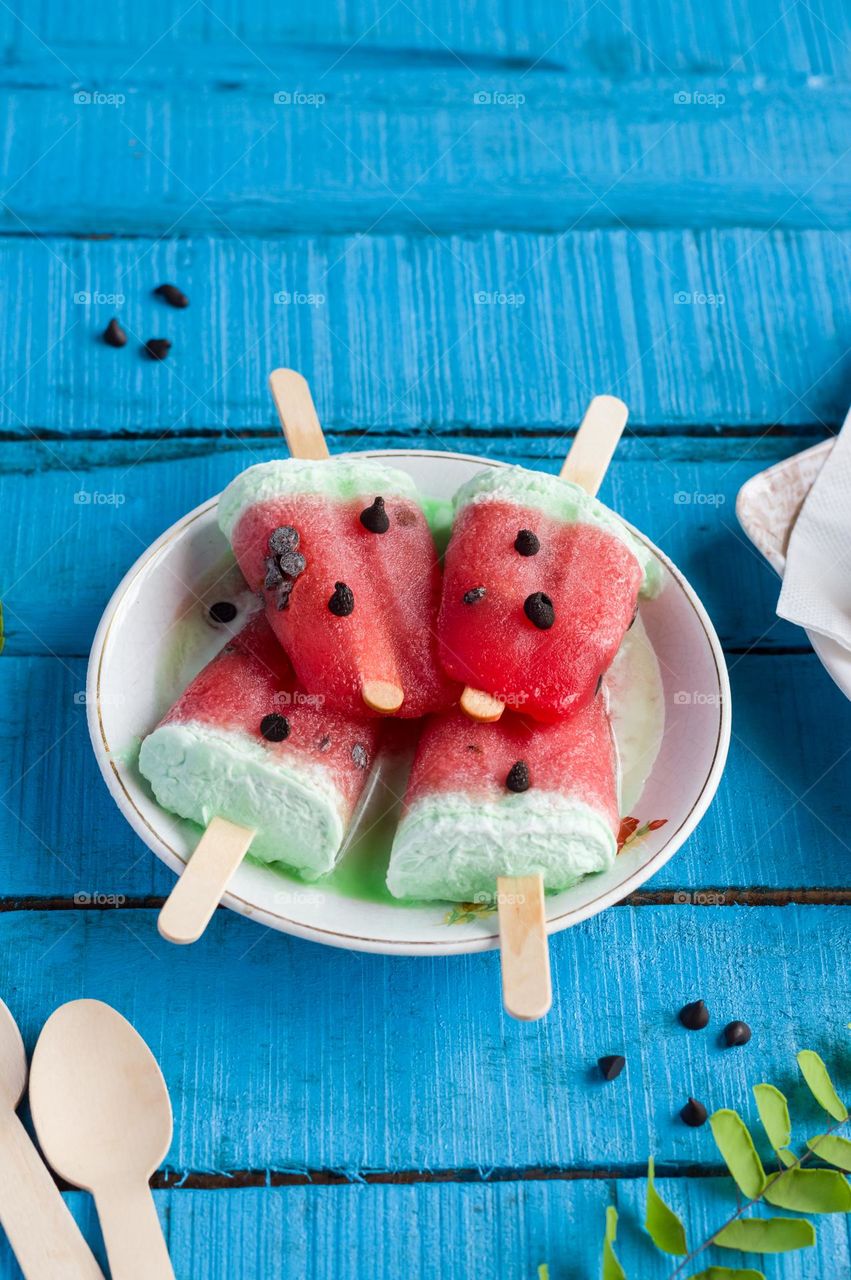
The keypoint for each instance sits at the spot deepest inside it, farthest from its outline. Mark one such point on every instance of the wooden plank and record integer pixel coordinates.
(617, 39)
(780, 819)
(683, 498)
(283, 1055)
(429, 333)
(420, 150)
(425, 1231)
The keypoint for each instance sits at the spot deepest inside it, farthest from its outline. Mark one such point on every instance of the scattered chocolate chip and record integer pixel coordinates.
(405, 517)
(275, 727)
(598, 686)
(223, 611)
(693, 1114)
(342, 602)
(173, 296)
(292, 563)
(359, 755)
(736, 1033)
(158, 348)
(325, 742)
(527, 543)
(475, 594)
(538, 608)
(611, 1065)
(114, 335)
(634, 616)
(274, 577)
(474, 747)
(282, 598)
(518, 776)
(694, 1016)
(375, 518)
(284, 538)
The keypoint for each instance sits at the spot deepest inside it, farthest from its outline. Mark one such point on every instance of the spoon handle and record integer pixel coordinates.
(44, 1237)
(132, 1233)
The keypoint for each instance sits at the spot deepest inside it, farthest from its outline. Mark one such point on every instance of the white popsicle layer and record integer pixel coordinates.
(200, 772)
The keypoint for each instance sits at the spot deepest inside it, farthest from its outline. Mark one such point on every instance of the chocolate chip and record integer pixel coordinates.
(694, 1016)
(359, 755)
(274, 577)
(158, 348)
(375, 518)
(275, 728)
(693, 1114)
(518, 776)
(284, 538)
(611, 1065)
(114, 335)
(538, 608)
(325, 742)
(173, 296)
(736, 1033)
(405, 517)
(527, 543)
(292, 563)
(223, 611)
(282, 597)
(475, 594)
(342, 602)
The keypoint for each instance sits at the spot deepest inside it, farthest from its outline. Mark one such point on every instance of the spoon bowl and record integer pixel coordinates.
(102, 1113)
(13, 1061)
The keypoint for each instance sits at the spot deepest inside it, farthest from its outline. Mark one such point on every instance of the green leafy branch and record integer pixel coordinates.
(792, 1187)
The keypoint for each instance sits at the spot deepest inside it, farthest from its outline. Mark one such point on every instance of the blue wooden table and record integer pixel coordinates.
(460, 221)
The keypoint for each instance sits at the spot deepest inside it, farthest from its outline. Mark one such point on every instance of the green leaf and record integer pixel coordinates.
(612, 1269)
(821, 1086)
(722, 1273)
(736, 1146)
(661, 1223)
(774, 1113)
(767, 1235)
(787, 1157)
(810, 1191)
(832, 1150)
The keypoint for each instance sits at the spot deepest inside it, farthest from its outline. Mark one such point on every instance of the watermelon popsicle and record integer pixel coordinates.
(509, 799)
(541, 581)
(244, 744)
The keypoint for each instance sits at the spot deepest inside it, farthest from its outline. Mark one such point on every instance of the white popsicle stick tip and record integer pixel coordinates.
(382, 695)
(527, 991)
(190, 906)
(595, 442)
(481, 706)
(297, 412)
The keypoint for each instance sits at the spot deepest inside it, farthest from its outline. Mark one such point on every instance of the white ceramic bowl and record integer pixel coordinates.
(155, 635)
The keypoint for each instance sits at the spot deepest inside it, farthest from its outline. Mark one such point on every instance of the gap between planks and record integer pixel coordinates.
(694, 896)
(241, 1179)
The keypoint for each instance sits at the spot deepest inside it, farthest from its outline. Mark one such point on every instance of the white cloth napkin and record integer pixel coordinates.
(816, 590)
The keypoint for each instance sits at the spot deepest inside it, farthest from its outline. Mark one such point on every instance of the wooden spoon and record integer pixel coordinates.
(44, 1237)
(103, 1118)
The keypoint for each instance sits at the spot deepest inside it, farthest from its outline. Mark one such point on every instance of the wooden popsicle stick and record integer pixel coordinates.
(304, 435)
(524, 950)
(481, 706)
(191, 903)
(586, 464)
(298, 415)
(527, 991)
(595, 442)
(131, 1230)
